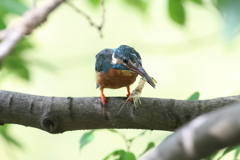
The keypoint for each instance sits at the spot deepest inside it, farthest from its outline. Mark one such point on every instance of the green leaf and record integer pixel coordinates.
(13, 6)
(113, 130)
(213, 155)
(21, 46)
(11, 140)
(14, 63)
(23, 72)
(2, 24)
(114, 153)
(197, 1)
(176, 11)
(142, 133)
(149, 146)
(227, 150)
(121, 155)
(129, 156)
(4, 128)
(194, 96)
(237, 153)
(94, 3)
(142, 5)
(7, 137)
(87, 138)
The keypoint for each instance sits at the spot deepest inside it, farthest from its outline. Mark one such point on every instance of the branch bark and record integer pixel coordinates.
(60, 114)
(201, 137)
(25, 25)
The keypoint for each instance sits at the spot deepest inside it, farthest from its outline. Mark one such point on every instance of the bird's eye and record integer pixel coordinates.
(125, 61)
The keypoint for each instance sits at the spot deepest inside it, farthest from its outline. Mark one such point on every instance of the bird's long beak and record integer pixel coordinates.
(143, 73)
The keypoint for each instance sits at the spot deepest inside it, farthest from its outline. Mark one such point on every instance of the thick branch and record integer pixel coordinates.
(26, 25)
(201, 137)
(59, 114)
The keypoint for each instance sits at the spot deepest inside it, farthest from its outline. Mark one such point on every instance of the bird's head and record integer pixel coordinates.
(125, 57)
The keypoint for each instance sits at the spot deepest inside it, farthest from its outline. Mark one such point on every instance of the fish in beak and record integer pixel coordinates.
(139, 69)
(131, 59)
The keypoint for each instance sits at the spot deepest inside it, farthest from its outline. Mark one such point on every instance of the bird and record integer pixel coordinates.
(117, 68)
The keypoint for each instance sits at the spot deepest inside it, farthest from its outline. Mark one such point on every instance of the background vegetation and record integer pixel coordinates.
(186, 45)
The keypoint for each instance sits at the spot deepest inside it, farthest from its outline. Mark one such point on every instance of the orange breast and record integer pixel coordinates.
(115, 78)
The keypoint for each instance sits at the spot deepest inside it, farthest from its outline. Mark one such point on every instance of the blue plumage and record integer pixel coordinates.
(119, 66)
(116, 68)
(103, 60)
(127, 54)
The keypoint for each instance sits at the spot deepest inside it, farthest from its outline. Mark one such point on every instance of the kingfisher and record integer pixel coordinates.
(117, 68)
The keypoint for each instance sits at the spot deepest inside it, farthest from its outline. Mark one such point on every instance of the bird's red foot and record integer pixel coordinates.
(103, 98)
(128, 94)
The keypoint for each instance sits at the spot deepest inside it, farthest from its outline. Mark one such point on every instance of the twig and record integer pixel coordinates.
(98, 27)
(24, 26)
(103, 14)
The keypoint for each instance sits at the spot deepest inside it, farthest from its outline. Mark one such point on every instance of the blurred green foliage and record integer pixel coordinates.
(13, 6)
(4, 132)
(14, 63)
(87, 138)
(149, 146)
(236, 149)
(94, 3)
(118, 154)
(197, 1)
(141, 5)
(230, 11)
(176, 11)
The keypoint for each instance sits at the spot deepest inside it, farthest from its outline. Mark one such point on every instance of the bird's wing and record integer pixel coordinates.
(103, 60)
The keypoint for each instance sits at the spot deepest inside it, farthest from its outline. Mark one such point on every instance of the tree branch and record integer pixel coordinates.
(25, 25)
(60, 114)
(201, 137)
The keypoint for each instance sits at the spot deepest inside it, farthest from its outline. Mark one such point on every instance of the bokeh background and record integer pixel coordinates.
(183, 60)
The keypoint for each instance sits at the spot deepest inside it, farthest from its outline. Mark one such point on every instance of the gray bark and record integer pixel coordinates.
(59, 114)
(201, 137)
